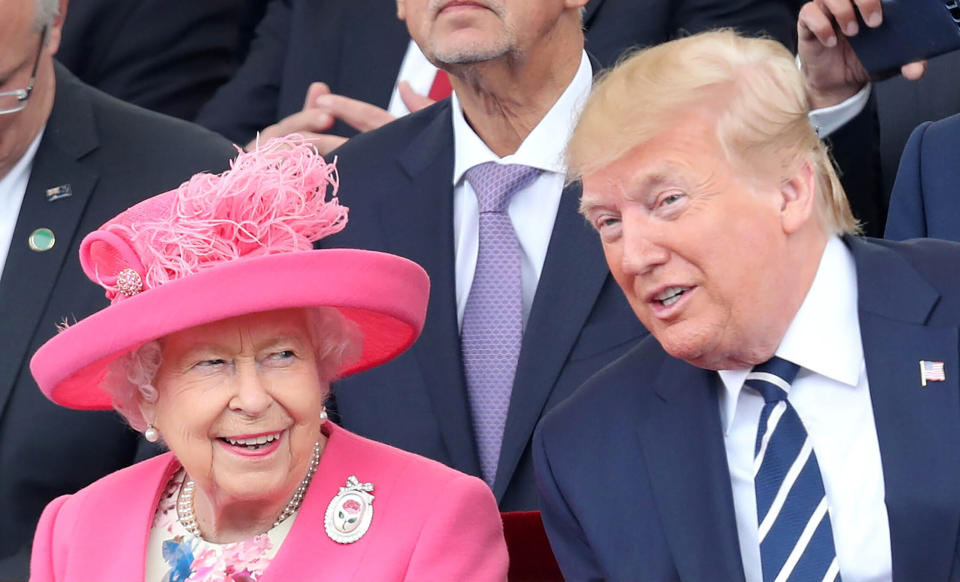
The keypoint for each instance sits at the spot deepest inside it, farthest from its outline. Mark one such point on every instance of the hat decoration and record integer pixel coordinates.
(270, 201)
(227, 245)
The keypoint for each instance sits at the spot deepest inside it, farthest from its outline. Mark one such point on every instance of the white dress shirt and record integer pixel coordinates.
(827, 120)
(13, 187)
(533, 209)
(832, 397)
(416, 70)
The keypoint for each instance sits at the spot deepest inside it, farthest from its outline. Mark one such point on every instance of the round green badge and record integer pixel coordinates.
(42, 240)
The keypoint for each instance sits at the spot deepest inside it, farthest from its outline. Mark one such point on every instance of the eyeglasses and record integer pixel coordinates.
(16, 100)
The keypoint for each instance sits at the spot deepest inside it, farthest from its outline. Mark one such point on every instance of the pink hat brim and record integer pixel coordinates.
(385, 295)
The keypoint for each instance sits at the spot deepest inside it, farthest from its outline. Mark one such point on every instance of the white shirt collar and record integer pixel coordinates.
(543, 148)
(13, 188)
(824, 336)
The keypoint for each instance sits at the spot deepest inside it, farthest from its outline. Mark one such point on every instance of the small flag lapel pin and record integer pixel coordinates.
(931, 372)
(59, 192)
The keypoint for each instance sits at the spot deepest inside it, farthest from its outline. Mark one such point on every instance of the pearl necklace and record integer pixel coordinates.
(188, 518)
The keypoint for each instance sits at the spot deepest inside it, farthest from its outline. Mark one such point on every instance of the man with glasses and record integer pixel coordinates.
(70, 158)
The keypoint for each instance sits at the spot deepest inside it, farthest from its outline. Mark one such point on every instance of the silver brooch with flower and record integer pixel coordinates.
(350, 512)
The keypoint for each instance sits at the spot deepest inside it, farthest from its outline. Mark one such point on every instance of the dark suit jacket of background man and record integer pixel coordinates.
(869, 148)
(167, 57)
(633, 467)
(357, 46)
(926, 195)
(112, 155)
(397, 182)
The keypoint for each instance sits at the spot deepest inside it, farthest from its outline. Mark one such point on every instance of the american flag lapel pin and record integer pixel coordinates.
(931, 372)
(58, 192)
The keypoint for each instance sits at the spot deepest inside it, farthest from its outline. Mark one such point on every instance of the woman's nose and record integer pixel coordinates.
(251, 396)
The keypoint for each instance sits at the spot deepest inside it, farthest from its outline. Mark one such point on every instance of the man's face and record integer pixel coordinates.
(471, 31)
(19, 43)
(699, 254)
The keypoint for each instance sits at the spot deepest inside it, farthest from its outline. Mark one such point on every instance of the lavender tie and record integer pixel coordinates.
(493, 317)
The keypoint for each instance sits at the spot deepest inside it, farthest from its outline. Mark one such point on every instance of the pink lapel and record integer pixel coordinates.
(115, 520)
(307, 550)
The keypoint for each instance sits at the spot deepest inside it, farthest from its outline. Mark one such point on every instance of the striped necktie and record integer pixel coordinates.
(796, 540)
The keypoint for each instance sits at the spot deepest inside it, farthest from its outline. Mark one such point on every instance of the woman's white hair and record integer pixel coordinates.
(129, 380)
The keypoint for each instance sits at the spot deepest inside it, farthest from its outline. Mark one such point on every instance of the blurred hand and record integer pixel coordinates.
(321, 109)
(831, 69)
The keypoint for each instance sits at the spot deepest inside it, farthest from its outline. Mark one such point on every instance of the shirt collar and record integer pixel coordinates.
(23, 165)
(824, 336)
(543, 148)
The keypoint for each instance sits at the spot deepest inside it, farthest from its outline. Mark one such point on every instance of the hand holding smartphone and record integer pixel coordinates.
(912, 30)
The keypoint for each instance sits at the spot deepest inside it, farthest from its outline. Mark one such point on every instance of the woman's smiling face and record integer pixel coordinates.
(239, 404)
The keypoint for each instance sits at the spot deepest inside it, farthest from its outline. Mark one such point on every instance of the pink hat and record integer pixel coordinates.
(226, 245)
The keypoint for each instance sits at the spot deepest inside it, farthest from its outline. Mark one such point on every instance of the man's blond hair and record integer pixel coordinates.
(751, 87)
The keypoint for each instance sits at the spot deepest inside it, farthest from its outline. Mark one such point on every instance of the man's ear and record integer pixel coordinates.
(55, 30)
(401, 10)
(798, 198)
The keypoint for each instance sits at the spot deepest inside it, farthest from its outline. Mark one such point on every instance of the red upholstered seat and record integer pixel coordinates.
(531, 559)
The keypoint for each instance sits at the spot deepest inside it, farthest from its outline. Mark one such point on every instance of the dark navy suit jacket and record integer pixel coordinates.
(398, 184)
(112, 155)
(633, 472)
(926, 194)
(357, 46)
(152, 54)
(868, 149)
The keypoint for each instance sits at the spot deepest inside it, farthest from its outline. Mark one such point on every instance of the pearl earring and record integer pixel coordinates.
(151, 434)
(323, 415)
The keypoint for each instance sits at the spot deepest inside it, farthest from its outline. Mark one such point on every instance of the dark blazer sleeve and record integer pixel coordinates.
(614, 26)
(926, 200)
(906, 215)
(569, 544)
(248, 103)
(773, 18)
(150, 53)
(855, 148)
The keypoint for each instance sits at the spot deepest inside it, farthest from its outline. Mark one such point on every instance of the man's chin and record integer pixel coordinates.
(467, 54)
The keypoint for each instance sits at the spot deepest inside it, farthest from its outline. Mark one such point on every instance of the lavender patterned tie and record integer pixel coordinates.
(493, 317)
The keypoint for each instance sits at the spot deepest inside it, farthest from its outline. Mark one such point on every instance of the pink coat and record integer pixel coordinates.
(430, 523)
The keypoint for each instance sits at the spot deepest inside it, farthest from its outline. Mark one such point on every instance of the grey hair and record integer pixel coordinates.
(47, 12)
(337, 342)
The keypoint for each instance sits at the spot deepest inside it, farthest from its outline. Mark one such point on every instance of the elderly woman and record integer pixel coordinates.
(224, 332)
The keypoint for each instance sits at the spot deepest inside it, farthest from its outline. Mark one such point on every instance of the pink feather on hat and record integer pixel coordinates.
(270, 201)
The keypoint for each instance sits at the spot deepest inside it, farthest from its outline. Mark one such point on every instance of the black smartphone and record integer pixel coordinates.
(912, 30)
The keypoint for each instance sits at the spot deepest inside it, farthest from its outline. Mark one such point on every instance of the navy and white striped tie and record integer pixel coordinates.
(796, 540)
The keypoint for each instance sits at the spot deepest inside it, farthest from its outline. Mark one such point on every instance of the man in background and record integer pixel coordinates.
(522, 308)
(335, 67)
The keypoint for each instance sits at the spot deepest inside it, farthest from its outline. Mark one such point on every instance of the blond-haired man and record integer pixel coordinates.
(792, 415)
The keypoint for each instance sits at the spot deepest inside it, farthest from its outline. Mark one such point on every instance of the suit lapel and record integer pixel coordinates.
(682, 442)
(307, 552)
(917, 427)
(30, 277)
(372, 49)
(415, 223)
(573, 275)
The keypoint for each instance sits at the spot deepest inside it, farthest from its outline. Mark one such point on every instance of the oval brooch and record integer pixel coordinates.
(350, 512)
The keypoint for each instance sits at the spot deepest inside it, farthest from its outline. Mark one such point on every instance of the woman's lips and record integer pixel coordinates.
(258, 445)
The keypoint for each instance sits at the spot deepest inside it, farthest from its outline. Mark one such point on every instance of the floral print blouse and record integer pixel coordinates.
(175, 555)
